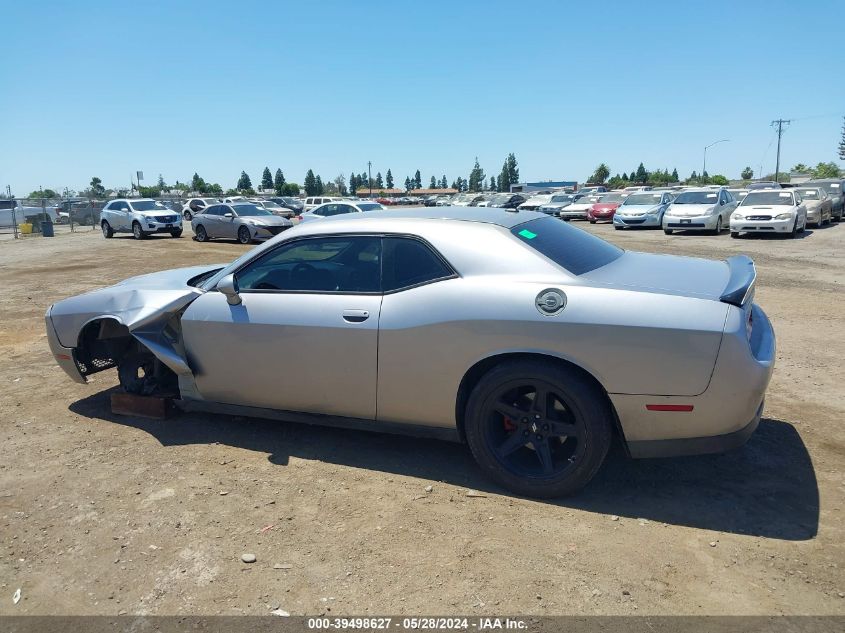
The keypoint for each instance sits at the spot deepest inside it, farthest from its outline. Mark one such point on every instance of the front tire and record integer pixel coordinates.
(244, 236)
(718, 229)
(137, 231)
(735, 234)
(176, 233)
(108, 232)
(618, 228)
(668, 231)
(537, 429)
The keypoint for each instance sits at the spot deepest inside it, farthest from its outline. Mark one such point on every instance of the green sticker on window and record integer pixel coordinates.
(528, 235)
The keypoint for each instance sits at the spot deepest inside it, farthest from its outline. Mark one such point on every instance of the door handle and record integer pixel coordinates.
(355, 316)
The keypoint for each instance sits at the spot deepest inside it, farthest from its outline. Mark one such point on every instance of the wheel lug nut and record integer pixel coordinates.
(545, 427)
(536, 416)
(539, 437)
(525, 433)
(525, 420)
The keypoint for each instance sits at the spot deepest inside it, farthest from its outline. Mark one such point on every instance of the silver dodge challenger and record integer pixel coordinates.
(531, 340)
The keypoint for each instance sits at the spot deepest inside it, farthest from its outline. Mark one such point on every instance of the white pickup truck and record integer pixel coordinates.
(15, 212)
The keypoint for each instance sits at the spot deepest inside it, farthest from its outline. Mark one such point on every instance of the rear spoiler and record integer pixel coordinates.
(743, 278)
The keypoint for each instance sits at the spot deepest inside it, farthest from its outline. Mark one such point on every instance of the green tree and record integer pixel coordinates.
(43, 193)
(825, 170)
(842, 141)
(493, 183)
(476, 177)
(266, 179)
(625, 177)
(504, 182)
(675, 177)
(244, 183)
(747, 173)
(279, 182)
(215, 189)
(781, 177)
(417, 180)
(161, 184)
(433, 183)
(388, 180)
(318, 185)
(444, 184)
(513, 170)
(97, 187)
(198, 184)
(800, 167)
(379, 181)
(148, 192)
(718, 179)
(408, 183)
(642, 174)
(616, 182)
(600, 174)
(310, 183)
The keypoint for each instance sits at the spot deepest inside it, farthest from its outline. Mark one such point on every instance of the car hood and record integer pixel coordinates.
(628, 209)
(605, 206)
(690, 209)
(766, 209)
(156, 212)
(812, 204)
(554, 205)
(663, 274)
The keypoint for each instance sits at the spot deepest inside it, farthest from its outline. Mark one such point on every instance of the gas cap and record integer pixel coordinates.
(550, 301)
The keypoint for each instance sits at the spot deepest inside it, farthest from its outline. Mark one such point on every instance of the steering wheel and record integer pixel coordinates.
(302, 269)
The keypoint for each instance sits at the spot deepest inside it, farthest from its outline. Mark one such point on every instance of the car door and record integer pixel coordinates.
(122, 215)
(305, 335)
(210, 220)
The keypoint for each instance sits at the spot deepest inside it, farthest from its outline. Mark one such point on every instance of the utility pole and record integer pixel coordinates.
(704, 166)
(370, 177)
(780, 123)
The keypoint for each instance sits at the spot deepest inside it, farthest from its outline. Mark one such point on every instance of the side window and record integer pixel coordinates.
(409, 262)
(213, 210)
(333, 264)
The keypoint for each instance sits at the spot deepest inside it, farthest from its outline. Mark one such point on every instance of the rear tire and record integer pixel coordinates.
(200, 233)
(547, 447)
(108, 232)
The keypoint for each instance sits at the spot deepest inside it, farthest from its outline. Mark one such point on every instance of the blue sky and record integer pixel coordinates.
(107, 88)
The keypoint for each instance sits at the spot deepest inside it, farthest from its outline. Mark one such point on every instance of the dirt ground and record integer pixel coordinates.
(104, 514)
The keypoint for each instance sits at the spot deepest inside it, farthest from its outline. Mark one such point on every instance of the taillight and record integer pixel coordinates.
(299, 217)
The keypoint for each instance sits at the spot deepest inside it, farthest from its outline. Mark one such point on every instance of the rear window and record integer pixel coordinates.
(572, 248)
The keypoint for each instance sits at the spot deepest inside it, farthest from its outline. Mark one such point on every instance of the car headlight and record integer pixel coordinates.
(783, 216)
(737, 216)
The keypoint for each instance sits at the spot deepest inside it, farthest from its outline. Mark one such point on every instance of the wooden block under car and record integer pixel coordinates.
(153, 407)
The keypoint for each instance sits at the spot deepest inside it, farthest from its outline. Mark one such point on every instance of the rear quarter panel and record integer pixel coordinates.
(631, 342)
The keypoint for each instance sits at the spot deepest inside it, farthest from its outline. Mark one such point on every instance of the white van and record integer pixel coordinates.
(314, 202)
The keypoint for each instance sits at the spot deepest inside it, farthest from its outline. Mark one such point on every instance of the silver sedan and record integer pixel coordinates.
(242, 221)
(529, 339)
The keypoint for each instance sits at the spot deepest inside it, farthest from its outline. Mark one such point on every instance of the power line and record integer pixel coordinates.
(780, 123)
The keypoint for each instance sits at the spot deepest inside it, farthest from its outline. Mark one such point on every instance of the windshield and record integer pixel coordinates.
(269, 204)
(643, 199)
(810, 194)
(290, 200)
(768, 198)
(833, 188)
(612, 197)
(500, 198)
(563, 198)
(148, 205)
(696, 197)
(250, 210)
(569, 247)
(738, 195)
(370, 206)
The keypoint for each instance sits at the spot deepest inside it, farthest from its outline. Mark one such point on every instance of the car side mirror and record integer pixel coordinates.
(228, 215)
(229, 287)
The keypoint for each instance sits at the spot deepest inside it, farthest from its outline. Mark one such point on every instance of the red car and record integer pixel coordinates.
(606, 206)
(385, 201)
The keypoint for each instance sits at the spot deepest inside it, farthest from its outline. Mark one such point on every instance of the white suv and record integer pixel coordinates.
(196, 205)
(141, 217)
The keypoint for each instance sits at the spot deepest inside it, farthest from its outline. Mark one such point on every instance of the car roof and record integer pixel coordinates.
(483, 215)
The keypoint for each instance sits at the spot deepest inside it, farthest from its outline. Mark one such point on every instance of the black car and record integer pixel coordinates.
(507, 200)
(288, 202)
